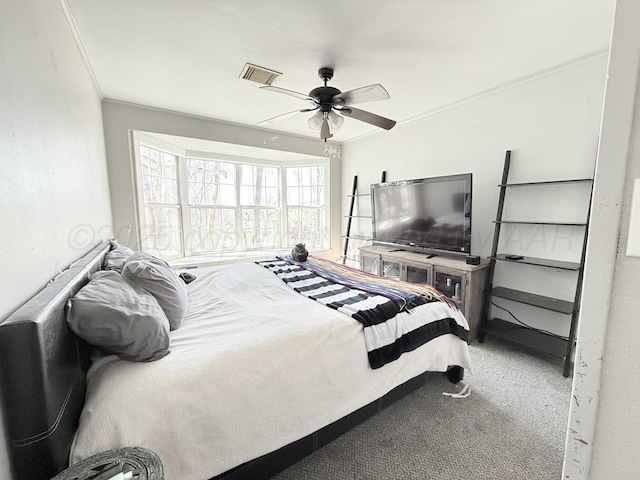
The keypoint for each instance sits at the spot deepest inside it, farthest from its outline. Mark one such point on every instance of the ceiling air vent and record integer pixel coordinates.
(259, 74)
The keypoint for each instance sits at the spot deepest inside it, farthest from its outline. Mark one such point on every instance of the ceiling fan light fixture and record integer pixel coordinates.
(335, 121)
(331, 105)
(315, 122)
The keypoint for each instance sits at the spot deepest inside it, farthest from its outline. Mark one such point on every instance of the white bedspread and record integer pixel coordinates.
(254, 367)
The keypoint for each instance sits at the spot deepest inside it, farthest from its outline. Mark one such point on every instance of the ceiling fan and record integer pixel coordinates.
(326, 101)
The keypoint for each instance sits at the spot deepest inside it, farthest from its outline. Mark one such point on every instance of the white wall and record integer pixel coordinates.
(53, 185)
(122, 118)
(617, 438)
(549, 121)
(612, 400)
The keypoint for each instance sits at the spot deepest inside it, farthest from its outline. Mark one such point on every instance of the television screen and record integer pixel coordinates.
(427, 214)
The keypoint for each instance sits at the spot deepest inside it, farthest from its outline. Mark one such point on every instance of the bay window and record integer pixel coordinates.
(193, 206)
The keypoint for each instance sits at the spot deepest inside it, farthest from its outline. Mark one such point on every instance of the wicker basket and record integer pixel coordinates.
(144, 464)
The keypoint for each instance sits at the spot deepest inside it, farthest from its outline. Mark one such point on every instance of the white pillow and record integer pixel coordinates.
(157, 278)
(117, 257)
(120, 317)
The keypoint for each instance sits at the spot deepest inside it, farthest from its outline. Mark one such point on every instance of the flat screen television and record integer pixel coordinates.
(431, 215)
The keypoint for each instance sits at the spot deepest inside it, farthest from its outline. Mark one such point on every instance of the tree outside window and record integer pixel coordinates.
(212, 206)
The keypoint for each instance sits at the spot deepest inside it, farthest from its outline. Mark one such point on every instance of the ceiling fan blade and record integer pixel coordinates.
(361, 95)
(324, 130)
(291, 93)
(285, 115)
(368, 117)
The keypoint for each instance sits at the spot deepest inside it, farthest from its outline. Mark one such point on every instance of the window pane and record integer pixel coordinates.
(294, 221)
(293, 195)
(159, 176)
(307, 225)
(161, 232)
(318, 195)
(271, 178)
(260, 227)
(144, 160)
(306, 196)
(211, 183)
(169, 165)
(258, 186)
(293, 174)
(246, 174)
(305, 186)
(213, 229)
(306, 214)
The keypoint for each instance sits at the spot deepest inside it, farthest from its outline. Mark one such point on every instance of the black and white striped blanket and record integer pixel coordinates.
(387, 309)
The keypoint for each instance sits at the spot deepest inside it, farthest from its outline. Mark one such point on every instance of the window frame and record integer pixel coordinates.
(156, 144)
(327, 198)
(140, 138)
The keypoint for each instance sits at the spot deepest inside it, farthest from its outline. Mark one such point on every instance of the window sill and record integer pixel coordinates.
(186, 263)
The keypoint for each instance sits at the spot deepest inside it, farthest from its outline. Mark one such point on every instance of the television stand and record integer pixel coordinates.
(429, 255)
(461, 282)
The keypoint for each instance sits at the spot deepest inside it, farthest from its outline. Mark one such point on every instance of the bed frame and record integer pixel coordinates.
(43, 366)
(42, 374)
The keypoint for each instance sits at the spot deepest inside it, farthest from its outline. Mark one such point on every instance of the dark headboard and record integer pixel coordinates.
(42, 374)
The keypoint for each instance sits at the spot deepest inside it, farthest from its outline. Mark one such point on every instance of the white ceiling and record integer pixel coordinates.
(187, 55)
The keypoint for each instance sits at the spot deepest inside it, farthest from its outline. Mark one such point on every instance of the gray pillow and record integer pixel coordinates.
(117, 257)
(121, 318)
(157, 278)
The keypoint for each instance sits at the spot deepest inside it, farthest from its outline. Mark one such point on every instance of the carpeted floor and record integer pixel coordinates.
(512, 426)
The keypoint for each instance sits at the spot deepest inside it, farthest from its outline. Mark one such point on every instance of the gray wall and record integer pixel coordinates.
(122, 118)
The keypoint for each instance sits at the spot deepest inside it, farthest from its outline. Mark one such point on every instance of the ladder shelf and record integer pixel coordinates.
(521, 333)
(348, 235)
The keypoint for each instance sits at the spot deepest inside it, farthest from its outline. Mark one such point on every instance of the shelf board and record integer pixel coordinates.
(457, 301)
(547, 182)
(360, 195)
(357, 216)
(540, 301)
(357, 237)
(521, 222)
(527, 337)
(541, 262)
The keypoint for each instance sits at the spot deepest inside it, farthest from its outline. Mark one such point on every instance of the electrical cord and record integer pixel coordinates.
(464, 393)
(529, 326)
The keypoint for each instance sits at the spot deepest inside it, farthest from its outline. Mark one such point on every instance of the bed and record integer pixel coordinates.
(258, 376)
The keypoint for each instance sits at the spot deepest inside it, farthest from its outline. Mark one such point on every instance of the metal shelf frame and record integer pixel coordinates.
(527, 336)
(354, 195)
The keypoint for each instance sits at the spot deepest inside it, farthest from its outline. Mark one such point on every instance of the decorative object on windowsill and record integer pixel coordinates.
(299, 252)
(326, 101)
